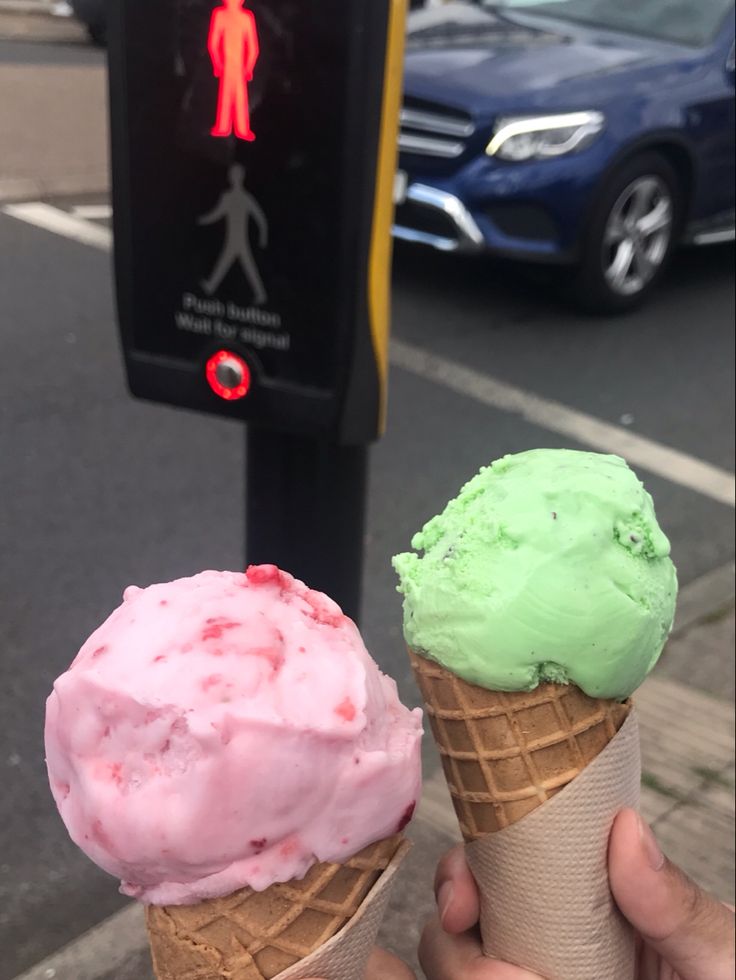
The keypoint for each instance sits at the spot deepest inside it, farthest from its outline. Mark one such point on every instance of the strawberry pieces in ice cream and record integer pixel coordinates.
(227, 730)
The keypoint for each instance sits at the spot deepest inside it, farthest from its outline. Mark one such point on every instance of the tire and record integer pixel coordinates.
(645, 182)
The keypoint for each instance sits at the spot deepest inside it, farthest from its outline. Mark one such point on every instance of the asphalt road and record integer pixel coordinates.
(99, 491)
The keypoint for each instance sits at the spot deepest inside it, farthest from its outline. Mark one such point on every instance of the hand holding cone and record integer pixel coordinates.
(539, 601)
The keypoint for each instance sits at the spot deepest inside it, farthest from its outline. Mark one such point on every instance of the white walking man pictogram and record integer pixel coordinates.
(237, 208)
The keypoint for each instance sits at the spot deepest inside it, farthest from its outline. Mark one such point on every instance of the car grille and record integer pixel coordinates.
(431, 130)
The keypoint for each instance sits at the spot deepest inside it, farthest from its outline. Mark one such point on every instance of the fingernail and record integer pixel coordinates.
(444, 899)
(653, 851)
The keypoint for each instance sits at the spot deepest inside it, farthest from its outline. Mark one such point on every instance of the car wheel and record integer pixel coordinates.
(98, 34)
(630, 236)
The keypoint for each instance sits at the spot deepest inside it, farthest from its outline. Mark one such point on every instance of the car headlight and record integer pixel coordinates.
(518, 138)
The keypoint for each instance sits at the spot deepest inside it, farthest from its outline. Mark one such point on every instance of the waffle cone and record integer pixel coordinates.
(253, 935)
(504, 754)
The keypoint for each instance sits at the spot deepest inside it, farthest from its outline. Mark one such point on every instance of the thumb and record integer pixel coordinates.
(689, 929)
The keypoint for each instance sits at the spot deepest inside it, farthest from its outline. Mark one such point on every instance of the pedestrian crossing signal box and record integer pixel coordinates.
(254, 150)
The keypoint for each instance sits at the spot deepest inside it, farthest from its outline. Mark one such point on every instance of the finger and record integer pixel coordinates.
(692, 931)
(386, 966)
(456, 892)
(446, 957)
(651, 967)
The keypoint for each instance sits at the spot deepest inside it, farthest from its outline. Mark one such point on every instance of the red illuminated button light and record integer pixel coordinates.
(228, 375)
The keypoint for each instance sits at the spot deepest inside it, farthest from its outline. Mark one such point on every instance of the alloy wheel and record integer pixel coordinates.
(637, 235)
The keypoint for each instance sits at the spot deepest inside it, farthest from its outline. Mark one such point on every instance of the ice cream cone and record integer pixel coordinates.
(253, 935)
(504, 754)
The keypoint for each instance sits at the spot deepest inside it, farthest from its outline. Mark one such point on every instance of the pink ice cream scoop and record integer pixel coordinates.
(227, 730)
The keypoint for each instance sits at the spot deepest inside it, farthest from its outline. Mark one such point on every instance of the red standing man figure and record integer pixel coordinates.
(233, 48)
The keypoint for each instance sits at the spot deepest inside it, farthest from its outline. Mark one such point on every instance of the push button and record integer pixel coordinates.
(228, 375)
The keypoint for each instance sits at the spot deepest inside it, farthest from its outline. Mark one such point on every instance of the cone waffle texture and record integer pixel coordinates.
(259, 935)
(505, 754)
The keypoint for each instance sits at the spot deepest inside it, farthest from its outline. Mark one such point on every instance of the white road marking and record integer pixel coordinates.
(673, 465)
(61, 223)
(669, 463)
(93, 212)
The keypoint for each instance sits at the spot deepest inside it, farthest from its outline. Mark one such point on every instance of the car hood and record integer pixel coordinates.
(465, 56)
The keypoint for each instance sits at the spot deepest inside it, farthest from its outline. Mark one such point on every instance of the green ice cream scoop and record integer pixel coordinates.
(549, 565)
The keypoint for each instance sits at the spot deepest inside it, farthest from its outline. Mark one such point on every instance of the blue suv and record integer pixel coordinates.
(590, 133)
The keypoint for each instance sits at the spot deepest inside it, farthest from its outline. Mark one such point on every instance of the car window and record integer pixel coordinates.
(693, 22)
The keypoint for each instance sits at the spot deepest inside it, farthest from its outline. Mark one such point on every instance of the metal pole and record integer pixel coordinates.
(305, 511)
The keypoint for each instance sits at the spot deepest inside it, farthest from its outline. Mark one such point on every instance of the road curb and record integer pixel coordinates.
(103, 950)
(32, 25)
(25, 7)
(14, 189)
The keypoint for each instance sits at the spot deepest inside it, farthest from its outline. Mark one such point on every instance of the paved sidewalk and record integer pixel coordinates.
(688, 794)
(53, 111)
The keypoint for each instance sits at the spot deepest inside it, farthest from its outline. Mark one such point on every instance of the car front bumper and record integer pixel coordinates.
(534, 211)
(431, 216)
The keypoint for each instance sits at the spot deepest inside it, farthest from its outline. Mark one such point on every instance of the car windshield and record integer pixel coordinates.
(693, 22)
